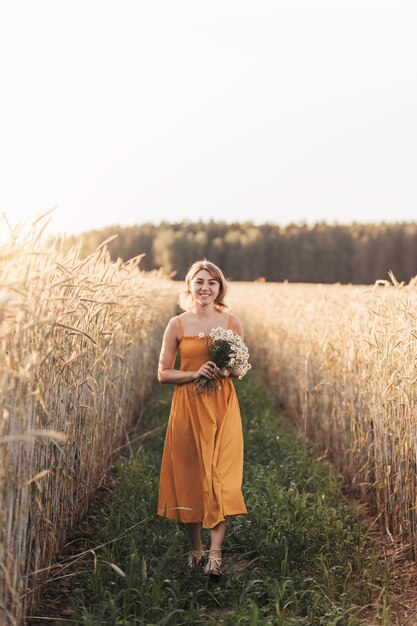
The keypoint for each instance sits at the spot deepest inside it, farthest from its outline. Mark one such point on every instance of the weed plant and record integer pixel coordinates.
(299, 557)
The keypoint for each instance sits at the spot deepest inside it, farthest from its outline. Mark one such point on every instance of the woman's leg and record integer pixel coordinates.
(214, 564)
(217, 535)
(194, 533)
(195, 556)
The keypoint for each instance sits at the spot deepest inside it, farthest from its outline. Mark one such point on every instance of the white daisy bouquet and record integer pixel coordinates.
(228, 351)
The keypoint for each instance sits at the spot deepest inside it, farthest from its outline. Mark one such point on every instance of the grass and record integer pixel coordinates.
(299, 557)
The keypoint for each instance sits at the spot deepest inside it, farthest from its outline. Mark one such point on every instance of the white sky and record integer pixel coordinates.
(129, 111)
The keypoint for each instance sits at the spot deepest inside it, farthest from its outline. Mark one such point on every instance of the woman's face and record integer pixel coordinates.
(204, 288)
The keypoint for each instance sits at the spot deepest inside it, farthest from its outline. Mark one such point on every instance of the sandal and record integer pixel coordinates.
(214, 564)
(195, 558)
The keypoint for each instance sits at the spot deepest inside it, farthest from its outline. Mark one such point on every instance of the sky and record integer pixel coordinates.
(131, 111)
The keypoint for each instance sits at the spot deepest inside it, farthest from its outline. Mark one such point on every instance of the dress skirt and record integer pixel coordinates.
(202, 460)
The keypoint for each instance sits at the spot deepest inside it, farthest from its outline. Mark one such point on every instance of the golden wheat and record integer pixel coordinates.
(79, 340)
(343, 361)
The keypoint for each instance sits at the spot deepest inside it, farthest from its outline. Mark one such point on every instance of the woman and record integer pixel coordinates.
(202, 462)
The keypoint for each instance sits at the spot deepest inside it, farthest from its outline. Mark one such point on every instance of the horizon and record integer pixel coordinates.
(42, 224)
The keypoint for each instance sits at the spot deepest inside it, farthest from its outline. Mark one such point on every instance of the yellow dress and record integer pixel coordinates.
(202, 460)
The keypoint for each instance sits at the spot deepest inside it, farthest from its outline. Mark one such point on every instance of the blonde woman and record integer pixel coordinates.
(202, 462)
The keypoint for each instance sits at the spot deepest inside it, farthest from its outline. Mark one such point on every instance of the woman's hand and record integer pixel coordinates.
(210, 370)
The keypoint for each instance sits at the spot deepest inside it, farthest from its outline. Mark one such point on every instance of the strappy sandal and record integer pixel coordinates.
(194, 559)
(214, 564)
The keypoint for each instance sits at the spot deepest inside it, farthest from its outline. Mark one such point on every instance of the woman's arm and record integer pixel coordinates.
(237, 328)
(166, 371)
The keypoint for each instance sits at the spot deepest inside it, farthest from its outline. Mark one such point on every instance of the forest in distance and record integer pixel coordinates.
(324, 253)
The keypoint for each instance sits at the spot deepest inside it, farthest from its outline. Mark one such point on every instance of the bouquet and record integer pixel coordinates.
(228, 351)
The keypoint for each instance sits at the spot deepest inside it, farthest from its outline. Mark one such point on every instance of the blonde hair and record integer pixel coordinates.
(186, 299)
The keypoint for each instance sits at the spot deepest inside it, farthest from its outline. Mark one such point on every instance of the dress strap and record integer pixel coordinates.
(180, 325)
(230, 321)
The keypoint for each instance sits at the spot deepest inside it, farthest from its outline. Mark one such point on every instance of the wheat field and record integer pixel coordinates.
(343, 361)
(79, 340)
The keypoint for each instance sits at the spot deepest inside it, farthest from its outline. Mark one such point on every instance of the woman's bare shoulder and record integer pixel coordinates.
(237, 325)
(172, 323)
(183, 315)
(234, 316)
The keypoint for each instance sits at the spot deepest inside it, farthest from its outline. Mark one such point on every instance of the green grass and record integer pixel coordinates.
(298, 557)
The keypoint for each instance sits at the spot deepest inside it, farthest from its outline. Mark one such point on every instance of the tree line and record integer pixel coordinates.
(355, 253)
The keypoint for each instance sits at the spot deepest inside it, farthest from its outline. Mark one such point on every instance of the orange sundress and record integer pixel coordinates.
(202, 461)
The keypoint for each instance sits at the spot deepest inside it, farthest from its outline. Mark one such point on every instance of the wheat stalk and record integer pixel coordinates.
(79, 340)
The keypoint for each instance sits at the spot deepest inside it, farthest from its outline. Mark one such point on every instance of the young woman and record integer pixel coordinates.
(202, 462)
